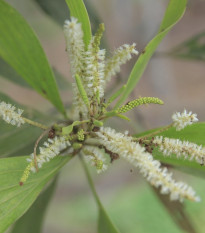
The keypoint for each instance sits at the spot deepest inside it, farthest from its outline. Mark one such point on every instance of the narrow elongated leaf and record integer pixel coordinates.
(16, 199)
(176, 211)
(104, 222)
(7, 72)
(57, 10)
(193, 48)
(174, 12)
(78, 10)
(32, 220)
(20, 48)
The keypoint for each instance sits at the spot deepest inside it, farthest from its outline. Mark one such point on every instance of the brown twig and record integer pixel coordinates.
(36, 145)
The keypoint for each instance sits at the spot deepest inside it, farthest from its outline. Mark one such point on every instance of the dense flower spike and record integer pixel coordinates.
(184, 149)
(74, 44)
(94, 61)
(134, 103)
(150, 168)
(51, 149)
(181, 120)
(11, 115)
(75, 47)
(95, 157)
(121, 56)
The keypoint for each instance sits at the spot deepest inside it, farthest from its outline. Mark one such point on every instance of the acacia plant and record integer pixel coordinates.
(82, 132)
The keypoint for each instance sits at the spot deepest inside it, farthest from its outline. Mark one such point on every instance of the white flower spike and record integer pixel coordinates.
(11, 114)
(51, 149)
(151, 169)
(181, 120)
(188, 150)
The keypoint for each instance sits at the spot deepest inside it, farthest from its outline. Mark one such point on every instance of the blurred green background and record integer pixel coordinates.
(129, 200)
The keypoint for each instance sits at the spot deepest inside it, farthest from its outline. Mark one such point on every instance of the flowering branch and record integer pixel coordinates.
(85, 134)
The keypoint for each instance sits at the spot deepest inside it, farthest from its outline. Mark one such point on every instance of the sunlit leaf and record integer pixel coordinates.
(15, 199)
(174, 12)
(20, 48)
(32, 220)
(78, 10)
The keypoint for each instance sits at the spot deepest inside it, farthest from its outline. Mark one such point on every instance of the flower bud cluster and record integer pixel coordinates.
(81, 135)
(95, 157)
(134, 103)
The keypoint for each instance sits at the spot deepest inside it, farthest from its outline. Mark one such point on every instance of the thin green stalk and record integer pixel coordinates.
(90, 181)
(39, 125)
(154, 133)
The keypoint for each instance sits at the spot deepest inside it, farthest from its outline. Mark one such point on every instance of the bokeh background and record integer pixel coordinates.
(180, 82)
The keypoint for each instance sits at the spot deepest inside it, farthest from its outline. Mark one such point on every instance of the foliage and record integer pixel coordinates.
(23, 57)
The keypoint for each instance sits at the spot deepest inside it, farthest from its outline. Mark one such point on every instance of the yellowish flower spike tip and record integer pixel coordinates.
(26, 173)
(134, 103)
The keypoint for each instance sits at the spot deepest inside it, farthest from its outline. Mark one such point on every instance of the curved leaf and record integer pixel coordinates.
(7, 72)
(104, 222)
(32, 220)
(78, 10)
(193, 48)
(16, 199)
(20, 48)
(57, 10)
(174, 12)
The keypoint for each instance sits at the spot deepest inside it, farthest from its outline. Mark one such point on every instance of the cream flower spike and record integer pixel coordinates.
(188, 150)
(181, 120)
(51, 149)
(74, 44)
(75, 48)
(151, 169)
(11, 115)
(120, 57)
